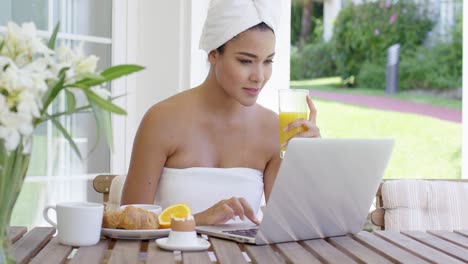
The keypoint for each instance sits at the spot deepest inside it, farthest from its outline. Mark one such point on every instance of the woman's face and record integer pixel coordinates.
(245, 65)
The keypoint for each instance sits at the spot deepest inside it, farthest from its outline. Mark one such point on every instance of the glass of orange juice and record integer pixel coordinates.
(292, 106)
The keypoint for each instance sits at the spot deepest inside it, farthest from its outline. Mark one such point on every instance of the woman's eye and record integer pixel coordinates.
(244, 61)
(269, 61)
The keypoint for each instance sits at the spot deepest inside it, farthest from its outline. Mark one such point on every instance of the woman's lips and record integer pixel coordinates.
(252, 91)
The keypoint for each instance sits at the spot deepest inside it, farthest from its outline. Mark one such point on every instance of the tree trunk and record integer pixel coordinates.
(307, 8)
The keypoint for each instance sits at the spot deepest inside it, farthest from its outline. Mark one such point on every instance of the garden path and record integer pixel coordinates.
(391, 104)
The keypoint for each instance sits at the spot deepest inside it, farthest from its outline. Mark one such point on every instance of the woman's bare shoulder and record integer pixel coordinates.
(267, 117)
(171, 109)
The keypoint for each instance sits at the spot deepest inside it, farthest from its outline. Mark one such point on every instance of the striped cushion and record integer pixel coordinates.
(115, 192)
(425, 205)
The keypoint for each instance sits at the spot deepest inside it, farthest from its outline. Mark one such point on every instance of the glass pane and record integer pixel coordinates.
(21, 11)
(84, 17)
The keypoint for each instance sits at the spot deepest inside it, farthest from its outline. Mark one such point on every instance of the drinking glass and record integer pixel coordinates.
(292, 106)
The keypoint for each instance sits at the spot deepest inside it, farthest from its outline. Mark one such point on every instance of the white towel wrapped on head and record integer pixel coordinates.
(227, 18)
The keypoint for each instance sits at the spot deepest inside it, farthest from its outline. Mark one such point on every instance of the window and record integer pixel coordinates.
(56, 173)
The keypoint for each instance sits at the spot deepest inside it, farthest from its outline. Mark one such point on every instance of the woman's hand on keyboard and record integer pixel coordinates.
(225, 210)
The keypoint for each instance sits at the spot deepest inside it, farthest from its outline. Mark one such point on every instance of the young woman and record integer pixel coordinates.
(213, 147)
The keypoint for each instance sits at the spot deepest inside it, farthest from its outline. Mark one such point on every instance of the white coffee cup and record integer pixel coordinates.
(78, 223)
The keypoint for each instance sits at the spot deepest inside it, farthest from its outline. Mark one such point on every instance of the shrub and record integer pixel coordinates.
(437, 67)
(313, 61)
(429, 68)
(372, 75)
(362, 33)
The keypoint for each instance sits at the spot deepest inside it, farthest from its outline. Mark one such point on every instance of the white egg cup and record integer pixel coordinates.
(182, 238)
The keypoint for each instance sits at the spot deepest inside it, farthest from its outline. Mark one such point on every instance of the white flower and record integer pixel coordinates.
(13, 126)
(65, 55)
(10, 136)
(27, 104)
(79, 66)
(8, 74)
(3, 104)
(86, 66)
(30, 71)
(21, 44)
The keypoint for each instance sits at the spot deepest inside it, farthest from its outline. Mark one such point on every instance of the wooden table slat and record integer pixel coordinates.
(53, 252)
(16, 232)
(452, 237)
(125, 251)
(91, 255)
(393, 252)
(198, 257)
(295, 253)
(157, 255)
(39, 246)
(440, 244)
(417, 248)
(263, 254)
(462, 232)
(31, 243)
(227, 251)
(327, 252)
(358, 251)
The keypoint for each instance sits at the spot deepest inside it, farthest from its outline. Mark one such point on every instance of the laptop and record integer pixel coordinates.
(324, 188)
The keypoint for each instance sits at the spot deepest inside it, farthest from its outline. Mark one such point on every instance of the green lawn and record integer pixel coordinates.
(425, 147)
(333, 84)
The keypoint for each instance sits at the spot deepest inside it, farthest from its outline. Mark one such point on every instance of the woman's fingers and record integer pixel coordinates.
(313, 111)
(311, 129)
(313, 132)
(248, 211)
(228, 209)
(295, 124)
(237, 206)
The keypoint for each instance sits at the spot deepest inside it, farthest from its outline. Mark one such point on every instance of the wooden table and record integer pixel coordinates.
(39, 245)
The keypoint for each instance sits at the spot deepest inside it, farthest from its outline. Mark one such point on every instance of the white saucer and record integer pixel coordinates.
(201, 245)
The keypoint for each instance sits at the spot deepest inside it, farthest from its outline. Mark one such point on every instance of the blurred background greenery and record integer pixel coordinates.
(354, 60)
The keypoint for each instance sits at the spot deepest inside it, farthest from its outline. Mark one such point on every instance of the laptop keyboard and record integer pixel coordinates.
(243, 232)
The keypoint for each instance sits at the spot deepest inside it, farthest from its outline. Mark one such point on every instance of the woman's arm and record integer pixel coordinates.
(151, 148)
(270, 173)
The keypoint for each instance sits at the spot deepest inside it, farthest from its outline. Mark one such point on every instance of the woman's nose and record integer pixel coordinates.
(258, 75)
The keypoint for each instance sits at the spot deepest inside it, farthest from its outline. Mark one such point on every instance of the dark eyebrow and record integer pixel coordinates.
(253, 55)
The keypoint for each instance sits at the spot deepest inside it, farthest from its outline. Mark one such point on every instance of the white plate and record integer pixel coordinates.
(135, 234)
(201, 245)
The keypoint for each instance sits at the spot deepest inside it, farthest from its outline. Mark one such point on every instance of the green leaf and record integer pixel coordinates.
(104, 123)
(93, 76)
(108, 74)
(71, 102)
(103, 103)
(66, 135)
(1, 45)
(52, 93)
(80, 109)
(96, 111)
(120, 70)
(53, 38)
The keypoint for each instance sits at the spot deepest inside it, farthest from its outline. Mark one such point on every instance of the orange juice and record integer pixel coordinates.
(284, 119)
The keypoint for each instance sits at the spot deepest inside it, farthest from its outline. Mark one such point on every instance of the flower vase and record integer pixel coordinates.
(13, 168)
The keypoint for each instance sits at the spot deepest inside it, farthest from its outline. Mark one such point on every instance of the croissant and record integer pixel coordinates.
(130, 218)
(111, 219)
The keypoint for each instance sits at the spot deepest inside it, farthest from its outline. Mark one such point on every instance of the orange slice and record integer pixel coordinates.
(180, 210)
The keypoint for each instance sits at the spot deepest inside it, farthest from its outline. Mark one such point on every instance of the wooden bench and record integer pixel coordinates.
(378, 215)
